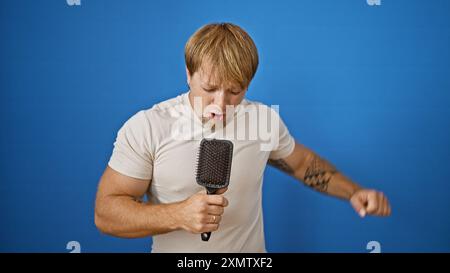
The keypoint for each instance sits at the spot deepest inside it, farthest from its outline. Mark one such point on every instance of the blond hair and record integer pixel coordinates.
(227, 49)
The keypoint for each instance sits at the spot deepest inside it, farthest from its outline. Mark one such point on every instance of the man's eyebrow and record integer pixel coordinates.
(234, 89)
(214, 86)
(209, 85)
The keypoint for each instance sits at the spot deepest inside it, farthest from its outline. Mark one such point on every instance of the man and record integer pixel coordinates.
(155, 154)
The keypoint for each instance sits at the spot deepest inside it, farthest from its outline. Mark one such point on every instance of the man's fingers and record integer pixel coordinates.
(223, 190)
(381, 204)
(219, 200)
(386, 210)
(215, 219)
(385, 206)
(210, 227)
(388, 207)
(215, 210)
(362, 212)
(358, 204)
(372, 203)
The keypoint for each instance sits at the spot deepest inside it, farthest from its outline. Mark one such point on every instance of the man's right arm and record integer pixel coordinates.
(119, 211)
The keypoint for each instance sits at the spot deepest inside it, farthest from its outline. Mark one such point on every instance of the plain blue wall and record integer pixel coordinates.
(365, 86)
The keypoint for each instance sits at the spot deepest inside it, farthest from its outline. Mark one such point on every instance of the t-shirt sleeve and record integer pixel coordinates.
(286, 142)
(131, 155)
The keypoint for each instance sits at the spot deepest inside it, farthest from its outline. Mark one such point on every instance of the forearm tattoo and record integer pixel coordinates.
(281, 165)
(318, 174)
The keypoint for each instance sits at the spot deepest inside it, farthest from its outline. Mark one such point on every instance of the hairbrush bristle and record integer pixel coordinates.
(214, 163)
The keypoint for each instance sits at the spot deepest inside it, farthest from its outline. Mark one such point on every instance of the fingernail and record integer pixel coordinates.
(362, 213)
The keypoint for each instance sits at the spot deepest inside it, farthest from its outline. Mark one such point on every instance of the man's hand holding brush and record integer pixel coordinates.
(201, 212)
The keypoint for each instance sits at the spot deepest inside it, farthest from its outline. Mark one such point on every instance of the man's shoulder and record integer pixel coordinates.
(166, 105)
(257, 105)
(158, 114)
(167, 109)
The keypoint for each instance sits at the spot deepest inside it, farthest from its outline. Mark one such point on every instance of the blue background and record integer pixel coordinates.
(367, 87)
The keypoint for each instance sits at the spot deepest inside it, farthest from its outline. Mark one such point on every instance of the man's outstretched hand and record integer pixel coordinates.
(370, 202)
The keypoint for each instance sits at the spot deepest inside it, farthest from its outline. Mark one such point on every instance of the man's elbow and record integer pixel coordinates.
(100, 222)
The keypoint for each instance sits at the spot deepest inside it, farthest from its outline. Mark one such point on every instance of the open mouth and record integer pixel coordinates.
(216, 116)
(213, 112)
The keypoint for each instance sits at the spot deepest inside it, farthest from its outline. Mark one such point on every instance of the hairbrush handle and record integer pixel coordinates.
(205, 235)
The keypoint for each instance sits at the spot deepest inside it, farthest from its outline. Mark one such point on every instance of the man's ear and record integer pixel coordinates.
(188, 76)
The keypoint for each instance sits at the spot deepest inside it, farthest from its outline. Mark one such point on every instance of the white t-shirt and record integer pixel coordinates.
(161, 144)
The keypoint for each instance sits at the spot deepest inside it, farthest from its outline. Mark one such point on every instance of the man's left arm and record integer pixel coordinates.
(319, 174)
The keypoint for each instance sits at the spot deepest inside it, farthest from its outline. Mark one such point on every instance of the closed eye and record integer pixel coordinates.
(209, 89)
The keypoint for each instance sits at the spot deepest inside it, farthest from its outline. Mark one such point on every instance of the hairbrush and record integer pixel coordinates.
(214, 167)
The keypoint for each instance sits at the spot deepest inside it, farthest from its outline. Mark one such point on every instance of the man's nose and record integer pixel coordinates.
(220, 99)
